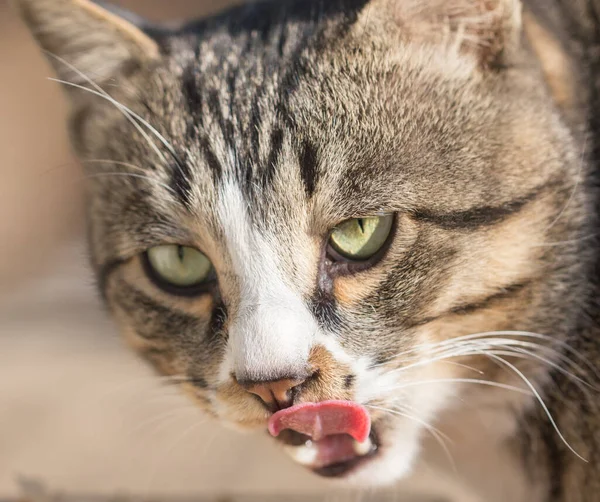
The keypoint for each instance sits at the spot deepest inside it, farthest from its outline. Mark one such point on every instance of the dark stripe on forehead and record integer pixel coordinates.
(256, 119)
(180, 171)
(211, 159)
(258, 56)
(215, 107)
(192, 93)
(477, 217)
(276, 148)
(309, 166)
(157, 119)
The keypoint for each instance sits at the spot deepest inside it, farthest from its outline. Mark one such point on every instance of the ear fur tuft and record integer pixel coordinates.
(488, 29)
(88, 37)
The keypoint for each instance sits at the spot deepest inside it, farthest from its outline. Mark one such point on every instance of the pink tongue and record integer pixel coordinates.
(319, 420)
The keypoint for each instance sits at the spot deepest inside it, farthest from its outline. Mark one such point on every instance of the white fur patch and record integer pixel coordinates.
(271, 330)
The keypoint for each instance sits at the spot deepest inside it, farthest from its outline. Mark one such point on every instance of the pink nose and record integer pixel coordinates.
(277, 395)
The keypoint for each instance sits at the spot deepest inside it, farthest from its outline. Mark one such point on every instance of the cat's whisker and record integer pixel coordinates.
(404, 408)
(539, 398)
(120, 108)
(522, 346)
(171, 422)
(424, 362)
(552, 341)
(438, 435)
(567, 242)
(127, 112)
(498, 347)
(475, 381)
(54, 169)
(130, 175)
(157, 392)
(512, 348)
(496, 356)
(175, 443)
(465, 366)
(114, 162)
(162, 417)
(152, 382)
(525, 354)
(508, 338)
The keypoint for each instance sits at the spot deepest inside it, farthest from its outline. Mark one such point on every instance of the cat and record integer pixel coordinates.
(366, 226)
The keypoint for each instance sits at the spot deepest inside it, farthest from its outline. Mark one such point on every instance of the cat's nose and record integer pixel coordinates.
(277, 394)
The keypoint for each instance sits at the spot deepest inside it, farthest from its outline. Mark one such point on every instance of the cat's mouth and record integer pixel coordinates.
(332, 438)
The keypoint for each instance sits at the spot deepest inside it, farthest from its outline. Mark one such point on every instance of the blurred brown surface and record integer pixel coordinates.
(39, 201)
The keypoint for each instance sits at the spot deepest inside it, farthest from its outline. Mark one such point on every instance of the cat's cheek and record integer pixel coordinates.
(154, 352)
(237, 410)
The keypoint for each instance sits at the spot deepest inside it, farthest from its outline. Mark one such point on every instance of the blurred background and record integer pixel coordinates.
(78, 411)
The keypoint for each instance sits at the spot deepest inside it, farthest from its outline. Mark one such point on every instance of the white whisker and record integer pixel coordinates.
(130, 175)
(566, 243)
(151, 381)
(465, 366)
(114, 162)
(162, 418)
(127, 112)
(506, 337)
(509, 347)
(165, 453)
(121, 108)
(539, 399)
(526, 354)
(476, 381)
(439, 436)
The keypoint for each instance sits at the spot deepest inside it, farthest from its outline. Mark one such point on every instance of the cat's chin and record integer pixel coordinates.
(396, 456)
(394, 461)
(391, 458)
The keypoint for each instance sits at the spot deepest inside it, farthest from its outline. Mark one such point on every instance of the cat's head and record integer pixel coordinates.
(327, 200)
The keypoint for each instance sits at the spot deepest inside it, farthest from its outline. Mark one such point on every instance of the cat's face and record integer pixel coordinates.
(308, 202)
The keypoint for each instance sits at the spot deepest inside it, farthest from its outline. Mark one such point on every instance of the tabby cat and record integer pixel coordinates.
(368, 227)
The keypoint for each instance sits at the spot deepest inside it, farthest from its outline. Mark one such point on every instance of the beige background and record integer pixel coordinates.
(77, 410)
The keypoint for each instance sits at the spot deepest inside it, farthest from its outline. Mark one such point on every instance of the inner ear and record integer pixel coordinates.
(490, 30)
(84, 38)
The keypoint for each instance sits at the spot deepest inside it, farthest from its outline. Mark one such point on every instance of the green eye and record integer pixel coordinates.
(361, 238)
(179, 266)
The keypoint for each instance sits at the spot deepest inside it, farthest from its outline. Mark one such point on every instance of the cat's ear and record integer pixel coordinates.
(490, 30)
(86, 41)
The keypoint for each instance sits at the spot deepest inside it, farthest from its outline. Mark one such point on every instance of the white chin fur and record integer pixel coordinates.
(394, 461)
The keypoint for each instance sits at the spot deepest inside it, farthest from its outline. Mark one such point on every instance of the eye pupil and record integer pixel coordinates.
(360, 239)
(177, 266)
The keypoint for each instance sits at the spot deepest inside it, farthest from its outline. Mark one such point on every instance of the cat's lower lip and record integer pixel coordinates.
(333, 457)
